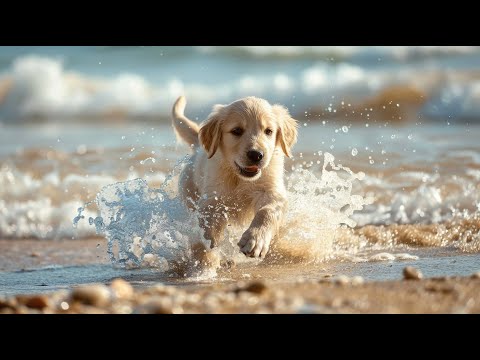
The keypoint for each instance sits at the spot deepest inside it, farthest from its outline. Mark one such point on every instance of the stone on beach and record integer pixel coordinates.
(476, 275)
(410, 273)
(95, 295)
(38, 302)
(156, 305)
(122, 289)
(256, 287)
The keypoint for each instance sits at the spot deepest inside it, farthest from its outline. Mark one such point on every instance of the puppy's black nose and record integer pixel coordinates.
(255, 156)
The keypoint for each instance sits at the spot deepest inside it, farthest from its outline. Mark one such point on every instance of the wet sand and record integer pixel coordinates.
(18, 255)
(252, 289)
(340, 295)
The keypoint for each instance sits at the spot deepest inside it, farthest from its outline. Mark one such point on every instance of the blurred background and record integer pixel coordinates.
(126, 83)
(73, 119)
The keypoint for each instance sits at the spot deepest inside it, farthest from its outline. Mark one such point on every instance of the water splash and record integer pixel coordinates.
(148, 227)
(318, 206)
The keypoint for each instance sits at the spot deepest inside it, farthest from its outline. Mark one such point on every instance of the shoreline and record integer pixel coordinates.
(340, 295)
(81, 280)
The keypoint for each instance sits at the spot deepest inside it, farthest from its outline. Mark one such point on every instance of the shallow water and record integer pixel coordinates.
(431, 262)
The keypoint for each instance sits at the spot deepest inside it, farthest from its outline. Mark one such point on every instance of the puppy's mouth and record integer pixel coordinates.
(249, 171)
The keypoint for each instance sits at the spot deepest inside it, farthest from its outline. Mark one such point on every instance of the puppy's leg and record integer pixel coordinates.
(270, 210)
(212, 220)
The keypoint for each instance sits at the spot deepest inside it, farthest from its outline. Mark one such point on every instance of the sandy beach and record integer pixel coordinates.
(458, 295)
(265, 289)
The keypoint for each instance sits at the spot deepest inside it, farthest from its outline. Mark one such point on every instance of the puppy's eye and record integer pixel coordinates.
(269, 132)
(237, 131)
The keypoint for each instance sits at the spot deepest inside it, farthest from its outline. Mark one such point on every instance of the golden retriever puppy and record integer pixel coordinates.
(236, 173)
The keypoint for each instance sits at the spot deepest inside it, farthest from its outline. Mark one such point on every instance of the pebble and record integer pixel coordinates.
(410, 273)
(357, 280)
(156, 305)
(122, 289)
(96, 295)
(37, 302)
(476, 275)
(161, 289)
(324, 281)
(7, 304)
(342, 280)
(256, 287)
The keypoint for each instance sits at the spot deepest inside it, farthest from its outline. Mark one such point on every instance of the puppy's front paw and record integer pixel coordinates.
(253, 244)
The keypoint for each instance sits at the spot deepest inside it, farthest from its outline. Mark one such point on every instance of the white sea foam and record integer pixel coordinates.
(43, 206)
(43, 87)
(423, 205)
(456, 101)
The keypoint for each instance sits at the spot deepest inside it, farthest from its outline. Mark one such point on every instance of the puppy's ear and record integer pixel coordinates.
(287, 134)
(210, 131)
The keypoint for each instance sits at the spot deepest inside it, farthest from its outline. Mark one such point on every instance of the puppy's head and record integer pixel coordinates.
(247, 132)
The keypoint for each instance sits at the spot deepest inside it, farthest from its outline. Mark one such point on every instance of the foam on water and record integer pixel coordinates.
(38, 86)
(42, 205)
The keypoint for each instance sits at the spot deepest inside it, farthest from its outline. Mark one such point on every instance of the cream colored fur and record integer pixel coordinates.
(213, 181)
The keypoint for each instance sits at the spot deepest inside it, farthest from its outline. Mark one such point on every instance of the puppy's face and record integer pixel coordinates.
(247, 132)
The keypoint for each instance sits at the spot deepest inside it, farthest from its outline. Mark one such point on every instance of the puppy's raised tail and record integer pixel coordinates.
(185, 129)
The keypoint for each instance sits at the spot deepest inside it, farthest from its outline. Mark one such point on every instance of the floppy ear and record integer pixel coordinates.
(210, 134)
(287, 131)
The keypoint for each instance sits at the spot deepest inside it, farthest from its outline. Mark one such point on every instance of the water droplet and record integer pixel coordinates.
(367, 125)
(371, 161)
(344, 129)
(410, 137)
(393, 136)
(354, 152)
(398, 105)
(124, 137)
